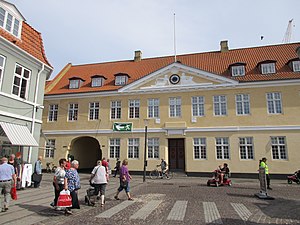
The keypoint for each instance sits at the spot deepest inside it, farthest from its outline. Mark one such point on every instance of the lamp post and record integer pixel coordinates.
(145, 148)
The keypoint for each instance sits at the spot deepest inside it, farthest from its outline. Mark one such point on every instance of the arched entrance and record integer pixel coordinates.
(86, 150)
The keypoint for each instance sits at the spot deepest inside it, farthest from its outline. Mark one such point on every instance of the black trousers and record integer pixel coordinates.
(268, 180)
(56, 192)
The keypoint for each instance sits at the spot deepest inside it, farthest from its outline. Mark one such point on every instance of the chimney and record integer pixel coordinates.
(298, 51)
(138, 56)
(224, 46)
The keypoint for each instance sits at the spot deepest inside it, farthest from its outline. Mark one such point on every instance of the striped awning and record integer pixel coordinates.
(17, 134)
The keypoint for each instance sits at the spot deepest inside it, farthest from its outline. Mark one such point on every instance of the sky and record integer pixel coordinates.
(95, 31)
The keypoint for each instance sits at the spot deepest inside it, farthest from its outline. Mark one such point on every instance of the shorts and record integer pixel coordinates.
(127, 188)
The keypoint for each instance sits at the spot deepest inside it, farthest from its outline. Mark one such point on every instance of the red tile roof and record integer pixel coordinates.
(31, 42)
(214, 62)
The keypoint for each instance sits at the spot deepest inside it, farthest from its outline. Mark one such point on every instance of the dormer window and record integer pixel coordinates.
(98, 81)
(10, 19)
(121, 79)
(268, 67)
(237, 69)
(296, 66)
(75, 82)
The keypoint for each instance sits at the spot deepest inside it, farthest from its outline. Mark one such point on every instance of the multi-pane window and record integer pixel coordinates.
(115, 110)
(94, 111)
(153, 148)
(246, 147)
(296, 66)
(9, 22)
(198, 106)
(268, 68)
(21, 81)
(97, 82)
(74, 84)
(278, 148)
(73, 112)
(114, 148)
(175, 106)
(238, 70)
(53, 111)
(121, 80)
(134, 108)
(2, 64)
(222, 148)
(220, 105)
(199, 148)
(274, 103)
(242, 104)
(133, 148)
(50, 147)
(153, 108)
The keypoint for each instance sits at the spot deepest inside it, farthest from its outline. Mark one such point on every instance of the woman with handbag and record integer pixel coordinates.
(72, 183)
(99, 178)
(124, 180)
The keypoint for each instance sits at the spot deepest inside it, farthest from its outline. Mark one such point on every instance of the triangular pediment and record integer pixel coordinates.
(12, 9)
(178, 76)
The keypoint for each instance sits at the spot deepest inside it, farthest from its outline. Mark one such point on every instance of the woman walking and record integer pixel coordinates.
(99, 180)
(124, 180)
(58, 180)
(72, 183)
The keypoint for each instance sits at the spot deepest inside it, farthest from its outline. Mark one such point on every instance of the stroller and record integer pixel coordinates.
(294, 178)
(90, 197)
(215, 180)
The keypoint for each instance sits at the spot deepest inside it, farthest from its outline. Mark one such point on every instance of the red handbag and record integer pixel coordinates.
(64, 199)
(13, 193)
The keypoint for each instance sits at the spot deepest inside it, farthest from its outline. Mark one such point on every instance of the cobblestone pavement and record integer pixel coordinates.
(181, 200)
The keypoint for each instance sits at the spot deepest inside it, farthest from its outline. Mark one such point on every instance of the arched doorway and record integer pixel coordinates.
(86, 150)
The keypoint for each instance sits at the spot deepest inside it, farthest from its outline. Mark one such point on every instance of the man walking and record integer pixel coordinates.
(37, 174)
(7, 178)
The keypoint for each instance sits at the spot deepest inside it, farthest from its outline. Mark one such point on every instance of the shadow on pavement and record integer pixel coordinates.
(275, 208)
(241, 195)
(41, 210)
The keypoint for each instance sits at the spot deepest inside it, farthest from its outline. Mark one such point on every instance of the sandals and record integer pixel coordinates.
(117, 198)
(130, 199)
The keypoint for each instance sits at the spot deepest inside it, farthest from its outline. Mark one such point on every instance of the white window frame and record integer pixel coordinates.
(274, 103)
(200, 148)
(198, 103)
(222, 148)
(2, 69)
(94, 109)
(121, 80)
(153, 148)
(115, 109)
(74, 84)
(220, 105)
(73, 112)
(97, 82)
(133, 148)
(153, 108)
(246, 148)
(53, 113)
(134, 108)
(22, 78)
(279, 148)
(175, 107)
(268, 68)
(114, 148)
(296, 66)
(15, 26)
(242, 103)
(49, 148)
(238, 71)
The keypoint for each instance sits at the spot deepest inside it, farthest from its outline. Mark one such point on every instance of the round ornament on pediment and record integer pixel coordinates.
(174, 79)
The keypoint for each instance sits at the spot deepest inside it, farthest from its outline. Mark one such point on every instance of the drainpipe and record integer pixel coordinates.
(35, 107)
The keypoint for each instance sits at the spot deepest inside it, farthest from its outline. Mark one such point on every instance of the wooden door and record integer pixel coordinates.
(176, 154)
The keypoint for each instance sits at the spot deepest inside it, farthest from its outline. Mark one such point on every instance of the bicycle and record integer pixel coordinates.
(50, 167)
(155, 174)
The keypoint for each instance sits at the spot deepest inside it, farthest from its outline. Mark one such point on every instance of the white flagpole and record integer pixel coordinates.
(175, 38)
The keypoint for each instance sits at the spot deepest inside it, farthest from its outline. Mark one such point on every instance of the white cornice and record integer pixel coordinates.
(163, 130)
(19, 117)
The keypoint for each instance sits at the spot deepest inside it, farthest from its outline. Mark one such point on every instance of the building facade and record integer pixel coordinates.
(24, 69)
(234, 106)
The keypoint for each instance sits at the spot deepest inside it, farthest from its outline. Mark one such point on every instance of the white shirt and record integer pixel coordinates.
(60, 175)
(100, 176)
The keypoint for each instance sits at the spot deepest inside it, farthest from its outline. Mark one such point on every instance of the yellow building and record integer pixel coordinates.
(234, 106)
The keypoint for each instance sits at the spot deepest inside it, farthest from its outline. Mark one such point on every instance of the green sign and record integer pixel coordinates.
(122, 127)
